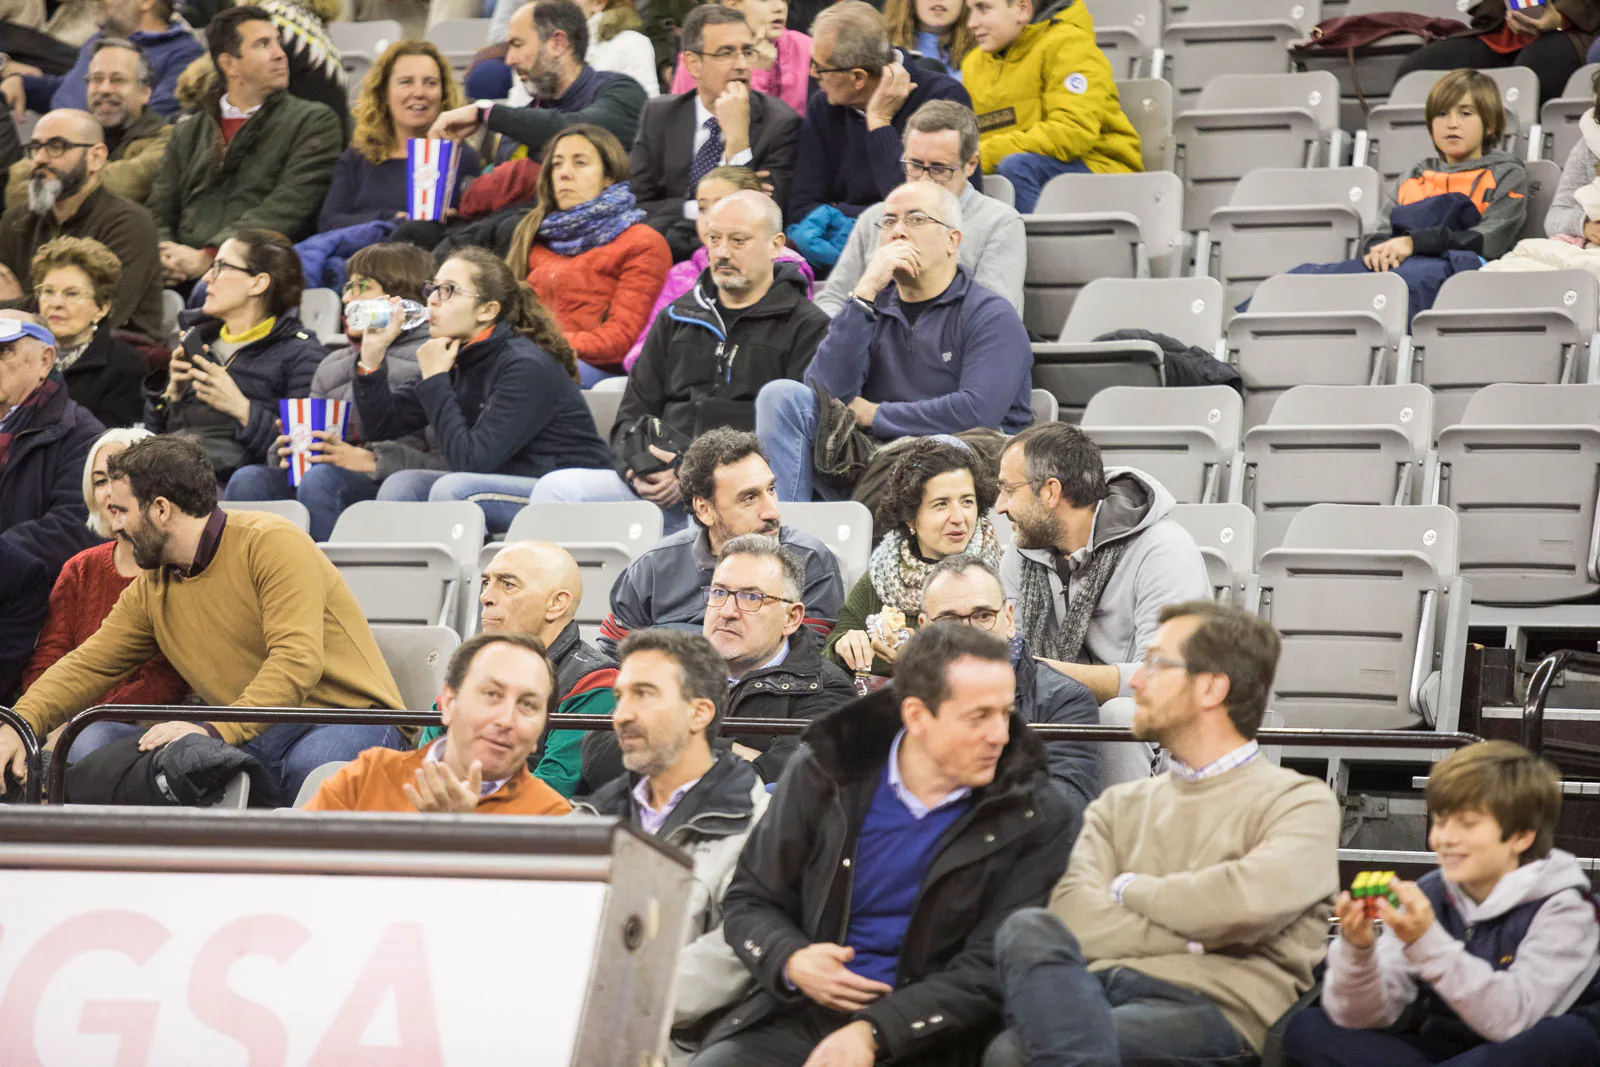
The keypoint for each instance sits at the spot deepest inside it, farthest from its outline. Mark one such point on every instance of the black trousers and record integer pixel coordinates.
(783, 1041)
(1553, 58)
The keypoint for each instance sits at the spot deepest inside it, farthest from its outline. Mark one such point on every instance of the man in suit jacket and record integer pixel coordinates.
(722, 122)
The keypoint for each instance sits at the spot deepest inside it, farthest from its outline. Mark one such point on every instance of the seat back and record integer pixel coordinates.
(1046, 408)
(323, 311)
(360, 44)
(1344, 444)
(314, 780)
(1183, 438)
(171, 307)
(410, 563)
(1216, 38)
(1000, 187)
(1398, 135)
(1522, 473)
(1127, 31)
(1544, 177)
(459, 40)
(1558, 118)
(1357, 595)
(418, 657)
(1148, 104)
(292, 510)
(845, 526)
(1226, 536)
(603, 405)
(603, 538)
(1317, 329)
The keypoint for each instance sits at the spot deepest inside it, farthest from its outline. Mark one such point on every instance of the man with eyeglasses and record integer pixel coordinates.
(941, 146)
(920, 349)
(966, 590)
(66, 197)
(721, 122)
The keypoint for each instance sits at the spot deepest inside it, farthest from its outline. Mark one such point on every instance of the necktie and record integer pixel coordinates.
(709, 156)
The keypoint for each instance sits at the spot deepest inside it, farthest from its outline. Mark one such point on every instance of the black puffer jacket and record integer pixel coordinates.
(792, 885)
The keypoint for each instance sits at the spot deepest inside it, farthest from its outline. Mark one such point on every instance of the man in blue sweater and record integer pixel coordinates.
(919, 349)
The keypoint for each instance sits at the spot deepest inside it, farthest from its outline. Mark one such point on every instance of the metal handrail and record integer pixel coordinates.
(731, 727)
(1539, 692)
(31, 750)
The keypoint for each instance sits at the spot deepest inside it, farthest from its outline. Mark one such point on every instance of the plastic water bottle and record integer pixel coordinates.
(364, 315)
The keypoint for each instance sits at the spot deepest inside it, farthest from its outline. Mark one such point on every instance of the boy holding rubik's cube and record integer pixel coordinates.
(1372, 886)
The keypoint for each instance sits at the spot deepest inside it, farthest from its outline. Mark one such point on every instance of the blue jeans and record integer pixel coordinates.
(289, 752)
(326, 491)
(786, 422)
(1029, 171)
(588, 376)
(1060, 1014)
(1313, 1040)
(500, 496)
(579, 485)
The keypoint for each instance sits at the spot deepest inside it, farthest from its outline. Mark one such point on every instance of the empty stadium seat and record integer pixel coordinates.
(845, 526)
(459, 40)
(1089, 226)
(1245, 122)
(1342, 444)
(323, 312)
(603, 405)
(1000, 187)
(418, 657)
(292, 510)
(1544, 177)
(1558, 118)
(1210, 39)
(1278, 219)
(1520, 470)
(1373, 618)
(360, 44)
(1397, 138)
(1148, 104)
(1046, 408)
(1226, 536)
(1128, 32)
(1314, 329)
(1184, 438)
(1077, 367)
(410, 563)
(314, 780)
(1533, 327)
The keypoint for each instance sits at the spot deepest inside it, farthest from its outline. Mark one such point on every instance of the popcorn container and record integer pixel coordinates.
(430, 177)
(301, 417)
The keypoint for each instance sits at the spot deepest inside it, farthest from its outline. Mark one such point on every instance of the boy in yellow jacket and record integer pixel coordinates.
(1045, 97)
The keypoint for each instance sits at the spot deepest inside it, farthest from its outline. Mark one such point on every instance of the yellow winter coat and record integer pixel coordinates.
(1051, 92)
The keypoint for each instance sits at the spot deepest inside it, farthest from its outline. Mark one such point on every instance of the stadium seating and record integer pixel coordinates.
(1211, 39)
(1559, 118)
(1000, 187)
(603, 404)
(1129, 33)
(459, 40)
(314, 780)
(1185, 438)
(410, 563)
(1544, 177)
(292, 510)
(1226, 535)
(1046, 408)
(845, 526)
(360, 44)
(417, 657)
(1148, 104)
(323, 312)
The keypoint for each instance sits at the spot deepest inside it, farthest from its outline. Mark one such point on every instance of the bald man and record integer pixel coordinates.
(66, 198)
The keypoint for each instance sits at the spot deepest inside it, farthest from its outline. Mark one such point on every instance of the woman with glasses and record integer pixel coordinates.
(252, 351)
(587, 251)
(934, 503)
(783, 56)
(75, 282)
(498, 396)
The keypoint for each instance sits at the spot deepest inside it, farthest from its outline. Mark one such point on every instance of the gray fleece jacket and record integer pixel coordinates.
(1565, 214)
(1160, 565)
(1496, 182)
(1555, 961)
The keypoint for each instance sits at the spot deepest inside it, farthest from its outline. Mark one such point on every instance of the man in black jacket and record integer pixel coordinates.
(746, 322)
(866, 901)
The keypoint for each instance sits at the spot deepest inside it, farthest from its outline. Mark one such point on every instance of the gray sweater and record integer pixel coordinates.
(1496, 182)
(1565, 216)
(993, 248)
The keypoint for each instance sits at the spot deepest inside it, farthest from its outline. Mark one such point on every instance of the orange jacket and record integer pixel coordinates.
(602, 298)
(373, 781)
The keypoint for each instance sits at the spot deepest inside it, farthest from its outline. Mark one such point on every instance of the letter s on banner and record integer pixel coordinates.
(263, 1035)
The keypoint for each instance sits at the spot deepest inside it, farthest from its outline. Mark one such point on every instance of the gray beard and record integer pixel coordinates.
(43, 192)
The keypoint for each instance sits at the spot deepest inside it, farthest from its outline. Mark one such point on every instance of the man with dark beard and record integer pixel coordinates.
(67, 198)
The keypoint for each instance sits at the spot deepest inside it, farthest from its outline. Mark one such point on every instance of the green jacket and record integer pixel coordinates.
(862, 601)
(273, 175)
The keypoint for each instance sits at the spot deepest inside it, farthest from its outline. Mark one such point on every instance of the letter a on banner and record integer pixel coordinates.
(399, 967)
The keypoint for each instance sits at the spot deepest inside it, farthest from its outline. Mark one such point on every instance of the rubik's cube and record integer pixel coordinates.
(1371, 886)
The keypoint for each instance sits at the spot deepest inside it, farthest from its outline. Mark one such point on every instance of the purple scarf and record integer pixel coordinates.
(591, 224)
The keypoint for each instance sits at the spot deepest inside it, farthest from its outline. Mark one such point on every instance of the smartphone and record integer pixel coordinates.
(193, 346)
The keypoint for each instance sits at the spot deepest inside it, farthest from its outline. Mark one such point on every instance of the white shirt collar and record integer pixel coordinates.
(231, 112)
(436, 753)
(917, 808)
(1221, 765)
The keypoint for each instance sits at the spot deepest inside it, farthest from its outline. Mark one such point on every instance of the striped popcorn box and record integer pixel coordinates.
(1525, 5)
(430, 177)
(302, 417)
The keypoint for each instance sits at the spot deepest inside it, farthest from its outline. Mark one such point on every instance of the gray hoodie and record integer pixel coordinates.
(1555, 961)
(1160, 565)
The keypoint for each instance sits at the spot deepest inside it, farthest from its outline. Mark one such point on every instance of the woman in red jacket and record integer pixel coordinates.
(88, 588)
(587, 251)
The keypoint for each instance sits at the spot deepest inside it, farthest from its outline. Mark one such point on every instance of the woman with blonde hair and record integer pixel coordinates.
(406, 89)
(587, 252)
(935, 28)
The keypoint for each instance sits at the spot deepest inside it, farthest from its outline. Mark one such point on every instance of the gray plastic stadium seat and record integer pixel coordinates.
(1397, 135)
(292, 510)
(1000, 188)
(1317, 329)
(1226, 535)
(1533, 327)
(171, 307)
(459, 40)
(603, 405)
(1148, 104)
(410, 563)
(1245, 122)
(1077, 367)
(1183, 438)
(1088, 226)
(1372, 614)
(1341, 444)
(314, 780)
(1377, 73)
(1278, 219)
(418, 657)
(1544, 177)
(1046, 408)
(845, 526)
(360, 44)
(602, 538)
(1520, 471)
(1127, 31)
(1216, 38)
(323, 312)
(1558, 118)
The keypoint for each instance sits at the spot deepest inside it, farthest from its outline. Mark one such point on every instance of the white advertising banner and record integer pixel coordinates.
(126, 969)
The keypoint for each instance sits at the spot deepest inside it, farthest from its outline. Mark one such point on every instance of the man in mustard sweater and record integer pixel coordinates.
(1194, 905)
(246, 608)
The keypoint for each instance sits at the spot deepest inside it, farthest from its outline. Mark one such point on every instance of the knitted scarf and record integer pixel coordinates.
(1036, 604)
(20, 418)
(591, 224)
(898, 573)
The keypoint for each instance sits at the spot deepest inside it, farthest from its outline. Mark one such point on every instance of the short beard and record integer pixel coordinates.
(656, 760)
(736, 285)
(147, 553)
(115, 120)
(544, 80)
(1041, 530)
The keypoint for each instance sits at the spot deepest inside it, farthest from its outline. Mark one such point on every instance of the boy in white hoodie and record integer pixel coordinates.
(1489, 960)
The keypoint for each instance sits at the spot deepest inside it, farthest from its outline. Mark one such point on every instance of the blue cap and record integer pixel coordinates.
(17, 329)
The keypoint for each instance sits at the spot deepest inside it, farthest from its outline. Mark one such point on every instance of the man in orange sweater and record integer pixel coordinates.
(498, 691)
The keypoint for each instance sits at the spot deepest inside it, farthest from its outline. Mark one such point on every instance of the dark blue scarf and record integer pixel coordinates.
(591, 224)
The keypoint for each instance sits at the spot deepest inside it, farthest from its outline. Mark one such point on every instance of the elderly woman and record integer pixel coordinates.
(934, 503)
(88, 589)
(75, 282)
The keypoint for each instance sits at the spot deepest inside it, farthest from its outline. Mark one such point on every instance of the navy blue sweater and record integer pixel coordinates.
(364, 191)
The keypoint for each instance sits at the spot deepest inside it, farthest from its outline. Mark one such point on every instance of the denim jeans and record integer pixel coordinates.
(786, 422)
(579, 485)
(1060, 1014)
(1313, 1040)
(500, 496)
(589, 376)
(1029, 171)
(289, 752)
(326, 491)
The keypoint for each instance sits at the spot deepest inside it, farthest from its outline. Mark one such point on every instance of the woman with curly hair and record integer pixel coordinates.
(402, 94)
(934, 502)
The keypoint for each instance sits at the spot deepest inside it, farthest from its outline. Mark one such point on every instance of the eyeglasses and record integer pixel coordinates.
(447, 292)
(50, 292)
(725, 55)
(1154, 661)
(817, 72)
(1009, 488)
(54, 148)
(357, 286)
(914, 220)
(939, 172)
(747, 600)
(219, 265)
(115, 80)
(980, 618)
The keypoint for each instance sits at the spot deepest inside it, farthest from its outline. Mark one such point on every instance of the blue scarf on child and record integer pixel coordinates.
(591, 224)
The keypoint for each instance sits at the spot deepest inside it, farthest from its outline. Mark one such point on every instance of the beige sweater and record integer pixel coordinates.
(1245, 864)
